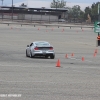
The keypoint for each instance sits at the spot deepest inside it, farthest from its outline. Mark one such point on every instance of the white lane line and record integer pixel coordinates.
(79, 59)
(27, 81)
(26, 66)
(8, 65)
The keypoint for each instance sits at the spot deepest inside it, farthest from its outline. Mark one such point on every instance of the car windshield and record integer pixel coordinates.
(42, 44)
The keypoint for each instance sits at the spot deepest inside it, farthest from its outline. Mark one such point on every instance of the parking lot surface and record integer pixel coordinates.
(23, 78)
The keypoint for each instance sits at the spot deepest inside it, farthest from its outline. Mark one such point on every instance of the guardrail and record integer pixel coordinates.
(48, 25)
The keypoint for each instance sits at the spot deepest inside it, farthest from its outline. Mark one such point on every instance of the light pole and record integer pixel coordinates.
(2, 10)
(2, 2)
(98, 15)
(56, 5)
(99, 11)
(12, 10)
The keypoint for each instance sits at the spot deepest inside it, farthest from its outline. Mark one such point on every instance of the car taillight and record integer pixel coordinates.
(36, 48)
(51, 48)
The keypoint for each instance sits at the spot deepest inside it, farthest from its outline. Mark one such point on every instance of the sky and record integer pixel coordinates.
(46, 3)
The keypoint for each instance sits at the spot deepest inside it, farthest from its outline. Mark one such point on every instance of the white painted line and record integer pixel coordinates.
(23, 66)
(10, 65)
(27, 81)
(79, 59)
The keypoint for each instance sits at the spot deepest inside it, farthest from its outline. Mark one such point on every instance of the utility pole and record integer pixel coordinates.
(1, 9)
(56, 5)
(97, 26)
(12, 10)
(2, 2)
(99, 11)
(98, 14)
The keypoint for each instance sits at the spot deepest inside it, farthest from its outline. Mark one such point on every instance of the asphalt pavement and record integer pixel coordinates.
(24, 78)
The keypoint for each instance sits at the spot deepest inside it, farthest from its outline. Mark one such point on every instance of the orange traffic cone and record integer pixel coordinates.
(38, 28)
(82, 58)
(94, 55)
(72, 55)
(58, 63)
(66, 56)
(96, 50)
(63, 30)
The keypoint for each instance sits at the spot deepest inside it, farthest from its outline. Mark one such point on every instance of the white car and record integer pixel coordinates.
(40, 49)
(62, 20)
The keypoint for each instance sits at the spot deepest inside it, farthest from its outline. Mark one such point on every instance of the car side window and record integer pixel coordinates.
(31, 44)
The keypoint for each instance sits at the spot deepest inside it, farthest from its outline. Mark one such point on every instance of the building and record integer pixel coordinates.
(32, 14)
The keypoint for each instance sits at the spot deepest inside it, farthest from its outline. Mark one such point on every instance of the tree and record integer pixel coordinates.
(70, 12)
(76, 11)
(81, 14)
(93, 12)
(23, 5)
(58, 4)
(75, 14)
(87, 11)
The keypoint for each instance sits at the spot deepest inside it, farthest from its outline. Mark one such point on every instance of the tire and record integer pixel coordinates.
(26, 54)
(52, 56)
(31, 55)
(46, 56)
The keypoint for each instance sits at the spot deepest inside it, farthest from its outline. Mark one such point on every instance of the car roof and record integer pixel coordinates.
(40, 41)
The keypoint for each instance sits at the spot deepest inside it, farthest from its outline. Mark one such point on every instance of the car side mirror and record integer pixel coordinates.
(27, 45)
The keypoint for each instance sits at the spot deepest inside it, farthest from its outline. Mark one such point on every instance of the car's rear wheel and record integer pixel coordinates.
(26, 54)
(46, 56)
(52, 56)
(31, 55)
